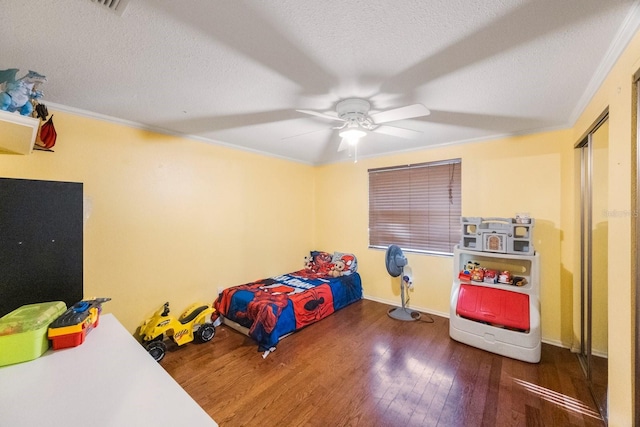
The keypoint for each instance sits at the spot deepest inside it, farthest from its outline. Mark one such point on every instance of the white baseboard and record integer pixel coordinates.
(555, 343)
(413, 307)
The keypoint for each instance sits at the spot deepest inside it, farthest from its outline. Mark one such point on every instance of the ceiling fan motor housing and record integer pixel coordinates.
(355, 112)
(352, 106)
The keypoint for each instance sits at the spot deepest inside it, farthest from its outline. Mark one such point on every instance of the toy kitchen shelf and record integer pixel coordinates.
(17, 133)
(501, 235)
(496, 317)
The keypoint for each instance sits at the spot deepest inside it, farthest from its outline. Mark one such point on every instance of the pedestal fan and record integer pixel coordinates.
(397, 266)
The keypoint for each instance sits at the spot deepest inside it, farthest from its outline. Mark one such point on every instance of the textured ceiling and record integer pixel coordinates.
(235, 72)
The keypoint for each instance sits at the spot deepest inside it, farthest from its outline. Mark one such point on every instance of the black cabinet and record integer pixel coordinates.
(41, 250)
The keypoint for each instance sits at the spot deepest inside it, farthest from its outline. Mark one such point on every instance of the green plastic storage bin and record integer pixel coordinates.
(23, 332)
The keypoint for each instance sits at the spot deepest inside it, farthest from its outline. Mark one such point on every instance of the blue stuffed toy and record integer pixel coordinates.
(16, 95)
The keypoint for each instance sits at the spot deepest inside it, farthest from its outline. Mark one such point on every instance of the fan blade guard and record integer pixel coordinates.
(395, 260)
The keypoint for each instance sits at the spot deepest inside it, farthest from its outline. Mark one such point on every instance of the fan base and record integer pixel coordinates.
(400, 313)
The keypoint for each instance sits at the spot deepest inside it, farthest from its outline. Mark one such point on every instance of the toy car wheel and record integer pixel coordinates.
(157, 350)
(206, 332)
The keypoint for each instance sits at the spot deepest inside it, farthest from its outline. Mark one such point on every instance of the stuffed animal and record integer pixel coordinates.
(338, 268)
(16, 95)
(349, 262)
(308, 263)
(322, 262)
(342, 266)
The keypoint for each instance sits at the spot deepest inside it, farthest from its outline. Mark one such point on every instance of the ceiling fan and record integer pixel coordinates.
(354, 113)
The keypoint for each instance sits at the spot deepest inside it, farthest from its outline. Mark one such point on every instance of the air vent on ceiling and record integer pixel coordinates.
(117, 6)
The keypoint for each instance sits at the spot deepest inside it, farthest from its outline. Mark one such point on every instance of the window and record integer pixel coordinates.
(416, 207)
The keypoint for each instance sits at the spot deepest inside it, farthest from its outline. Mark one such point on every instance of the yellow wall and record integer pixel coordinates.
(174, 219)
(616, 93)
(499, 178)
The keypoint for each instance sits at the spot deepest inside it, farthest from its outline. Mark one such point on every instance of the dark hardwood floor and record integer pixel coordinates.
(360, 367)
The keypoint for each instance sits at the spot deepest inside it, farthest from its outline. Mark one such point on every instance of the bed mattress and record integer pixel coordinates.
(274, 307)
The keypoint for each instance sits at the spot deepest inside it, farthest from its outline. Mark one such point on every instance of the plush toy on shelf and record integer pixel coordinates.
(16, 95)
(470, 266)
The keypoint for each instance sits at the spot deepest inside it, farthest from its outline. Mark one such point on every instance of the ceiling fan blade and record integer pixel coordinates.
(401, 113)
(398, 132)
(302, 134)
(323, 115)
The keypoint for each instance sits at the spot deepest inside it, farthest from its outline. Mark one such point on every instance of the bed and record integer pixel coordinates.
(269, 309)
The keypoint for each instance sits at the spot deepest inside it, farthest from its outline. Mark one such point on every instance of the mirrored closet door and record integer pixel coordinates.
(594, 235)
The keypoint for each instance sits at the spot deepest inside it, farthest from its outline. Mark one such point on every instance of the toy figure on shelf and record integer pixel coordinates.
(16, 95)
(505, 277)
(477, 275)
(490, 276)
(464, 275)
(470, 266)
(519, 281)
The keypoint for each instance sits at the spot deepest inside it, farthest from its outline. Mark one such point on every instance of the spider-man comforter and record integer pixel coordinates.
(271, 308)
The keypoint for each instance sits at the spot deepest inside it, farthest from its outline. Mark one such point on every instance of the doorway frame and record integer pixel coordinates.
(635, 244)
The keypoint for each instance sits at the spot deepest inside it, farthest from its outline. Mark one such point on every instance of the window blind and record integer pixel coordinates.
(416, 207)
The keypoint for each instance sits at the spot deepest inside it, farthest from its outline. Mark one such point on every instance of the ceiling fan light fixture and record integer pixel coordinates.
(357, 121)
(352, 135)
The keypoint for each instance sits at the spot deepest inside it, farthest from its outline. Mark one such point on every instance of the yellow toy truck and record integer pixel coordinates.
(195, 322)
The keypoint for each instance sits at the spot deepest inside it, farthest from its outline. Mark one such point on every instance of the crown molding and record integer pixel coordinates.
(628, 29)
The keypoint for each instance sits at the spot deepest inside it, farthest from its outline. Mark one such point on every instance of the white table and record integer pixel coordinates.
(109, 380)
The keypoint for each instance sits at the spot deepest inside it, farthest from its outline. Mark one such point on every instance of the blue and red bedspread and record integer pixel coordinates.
(271, 308)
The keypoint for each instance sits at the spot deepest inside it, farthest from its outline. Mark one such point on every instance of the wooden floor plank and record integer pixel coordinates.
(359, 367)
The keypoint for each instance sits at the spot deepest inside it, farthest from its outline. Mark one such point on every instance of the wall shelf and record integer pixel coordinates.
(17, 133)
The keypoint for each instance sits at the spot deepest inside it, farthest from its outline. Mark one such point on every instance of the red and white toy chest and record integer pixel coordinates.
(500, 318)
